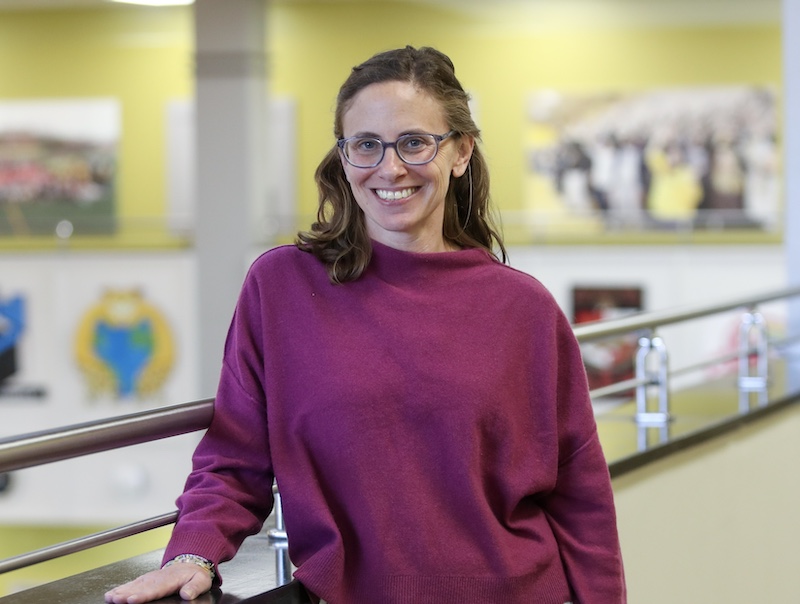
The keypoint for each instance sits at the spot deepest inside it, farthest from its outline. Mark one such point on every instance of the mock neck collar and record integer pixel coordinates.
(392, 264)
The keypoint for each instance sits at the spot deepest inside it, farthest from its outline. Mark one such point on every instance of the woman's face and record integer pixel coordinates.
(403, 204)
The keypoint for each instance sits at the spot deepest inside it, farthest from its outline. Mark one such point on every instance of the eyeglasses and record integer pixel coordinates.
(413, 149)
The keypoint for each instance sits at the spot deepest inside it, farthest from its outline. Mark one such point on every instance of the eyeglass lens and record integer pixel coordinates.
(411, 148)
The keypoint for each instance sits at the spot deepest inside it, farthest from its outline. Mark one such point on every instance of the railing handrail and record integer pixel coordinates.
(39, 448)
(83, 543)
(105, 434)
(650, 320)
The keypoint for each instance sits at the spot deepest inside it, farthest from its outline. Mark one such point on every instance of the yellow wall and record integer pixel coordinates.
(313, 46)
(141, 56)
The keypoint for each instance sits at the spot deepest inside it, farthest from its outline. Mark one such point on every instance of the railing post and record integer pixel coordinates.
(652, 374)
(278, 533)
(753, 344)
(283, 565)
(279, 541)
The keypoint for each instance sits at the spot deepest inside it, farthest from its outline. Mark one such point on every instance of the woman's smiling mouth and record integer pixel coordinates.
(388, 195)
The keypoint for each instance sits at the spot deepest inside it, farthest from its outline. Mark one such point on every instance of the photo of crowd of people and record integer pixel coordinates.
(686, 158)
(58, 166)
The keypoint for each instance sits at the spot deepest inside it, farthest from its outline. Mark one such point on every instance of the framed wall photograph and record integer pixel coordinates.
(693, 160)
(58, 163)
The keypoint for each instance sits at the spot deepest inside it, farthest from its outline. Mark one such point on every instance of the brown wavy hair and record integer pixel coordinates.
(339, 236)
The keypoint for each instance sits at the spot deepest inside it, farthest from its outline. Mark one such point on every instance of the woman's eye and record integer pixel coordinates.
(414, 144)
(366, 145)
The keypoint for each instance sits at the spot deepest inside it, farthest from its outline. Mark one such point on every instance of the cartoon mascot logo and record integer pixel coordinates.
(124, 346)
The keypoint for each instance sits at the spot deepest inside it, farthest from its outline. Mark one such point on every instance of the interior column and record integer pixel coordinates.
(791, 155)
(230, 126)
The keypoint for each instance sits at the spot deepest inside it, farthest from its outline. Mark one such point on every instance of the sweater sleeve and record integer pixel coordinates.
(228, 494)
(581, 507)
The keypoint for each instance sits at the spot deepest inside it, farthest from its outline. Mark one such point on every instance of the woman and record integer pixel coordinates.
(423, 406)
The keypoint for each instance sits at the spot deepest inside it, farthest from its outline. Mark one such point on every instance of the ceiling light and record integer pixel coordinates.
(155, 2)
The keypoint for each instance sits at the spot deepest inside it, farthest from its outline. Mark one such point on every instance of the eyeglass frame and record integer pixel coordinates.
(438, 138)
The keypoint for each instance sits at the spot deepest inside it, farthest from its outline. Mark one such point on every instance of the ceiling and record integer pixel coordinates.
(591, 11)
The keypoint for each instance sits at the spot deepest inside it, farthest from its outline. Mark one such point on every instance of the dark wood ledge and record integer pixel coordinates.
(252, 572)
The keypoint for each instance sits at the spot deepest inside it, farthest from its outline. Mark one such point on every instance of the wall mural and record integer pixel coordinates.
(58, 161)
(699, 159)
(13, 386)
(12, 324)
(124, 346)
(101, 335)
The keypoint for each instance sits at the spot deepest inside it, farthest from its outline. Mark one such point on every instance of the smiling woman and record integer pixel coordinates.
(389, 363)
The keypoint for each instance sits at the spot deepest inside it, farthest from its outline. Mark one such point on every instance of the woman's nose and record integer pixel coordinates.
(391, 164)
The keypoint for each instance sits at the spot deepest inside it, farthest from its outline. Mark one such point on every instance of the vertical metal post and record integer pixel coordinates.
(283, 565)
(753, 359)
(278, 533)
(652, 375)
(279, 541)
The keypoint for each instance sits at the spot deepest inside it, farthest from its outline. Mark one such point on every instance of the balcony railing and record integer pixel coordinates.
(653, 399)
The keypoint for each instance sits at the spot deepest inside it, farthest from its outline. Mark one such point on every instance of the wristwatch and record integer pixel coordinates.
(194, 559)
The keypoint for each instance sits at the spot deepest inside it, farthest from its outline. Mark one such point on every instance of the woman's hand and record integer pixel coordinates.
(184, 578)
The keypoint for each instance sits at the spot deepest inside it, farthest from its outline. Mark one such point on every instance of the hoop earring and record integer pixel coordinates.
(469, 208)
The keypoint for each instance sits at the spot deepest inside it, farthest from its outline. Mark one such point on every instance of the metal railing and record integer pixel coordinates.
(652, 374)
(59, 444)
(47, 446)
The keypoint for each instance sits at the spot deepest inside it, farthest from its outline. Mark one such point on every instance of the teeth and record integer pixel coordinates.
(394, 195)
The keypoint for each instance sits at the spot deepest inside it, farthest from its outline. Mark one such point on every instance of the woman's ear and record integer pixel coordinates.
(466, 143)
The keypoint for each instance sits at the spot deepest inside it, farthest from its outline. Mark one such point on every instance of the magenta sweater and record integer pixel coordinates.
(430, 429)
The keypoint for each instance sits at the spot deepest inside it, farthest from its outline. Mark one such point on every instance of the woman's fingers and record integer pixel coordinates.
(199, 584)
(186, 579)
